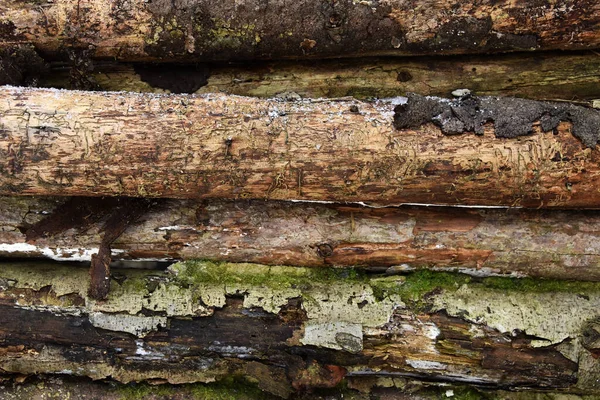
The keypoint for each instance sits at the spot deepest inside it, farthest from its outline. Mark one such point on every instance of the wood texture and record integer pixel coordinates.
(568, 76)
(201, 30)
(290, 332)
(92, 144)
(549, 244)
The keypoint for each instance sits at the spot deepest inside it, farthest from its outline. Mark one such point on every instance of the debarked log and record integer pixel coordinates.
(293, 329)
(541, 76)
(200, 30)
(415, 150)
(481, 242)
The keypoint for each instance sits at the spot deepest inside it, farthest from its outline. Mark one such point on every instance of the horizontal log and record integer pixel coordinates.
(146, 145)
(200, 30)
(292, 329)
(570, 76)
(24, 388)
(481, 242)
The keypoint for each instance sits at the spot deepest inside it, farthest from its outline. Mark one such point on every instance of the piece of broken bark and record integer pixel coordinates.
(291, 328)
(202, 31)
(146, 145)
(482, 242)
(77, 214)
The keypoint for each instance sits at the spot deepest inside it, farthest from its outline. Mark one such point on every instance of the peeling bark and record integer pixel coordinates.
(570, 76)
(201, 31)
(292, 330)
(93, 144)
(557, 244)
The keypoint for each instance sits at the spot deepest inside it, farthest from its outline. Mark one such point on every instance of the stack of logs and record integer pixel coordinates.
(335, 198)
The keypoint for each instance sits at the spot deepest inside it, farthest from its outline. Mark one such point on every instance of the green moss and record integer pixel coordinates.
(539, 285)
(254, 275)
(226, 389)
(415, 286)
(138, 391)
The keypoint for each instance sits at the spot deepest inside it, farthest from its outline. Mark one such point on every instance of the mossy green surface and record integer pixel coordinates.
(225, 389)
(276, 277)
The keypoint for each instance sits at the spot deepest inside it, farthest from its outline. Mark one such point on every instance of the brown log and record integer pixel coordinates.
(92, 144)
(541, 76)
(289, 330)
(557, 244)
(200, 30)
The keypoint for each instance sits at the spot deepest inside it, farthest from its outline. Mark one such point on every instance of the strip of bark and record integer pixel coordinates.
(558, 244)
(201, 30)
(571, 76)
(292, 331)
(94, 144)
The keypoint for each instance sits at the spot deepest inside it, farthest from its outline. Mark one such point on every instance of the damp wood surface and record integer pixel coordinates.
(289, 329)
(26, 388)
(200, 30)
(566, 76)
(63, 143)
(481, 242)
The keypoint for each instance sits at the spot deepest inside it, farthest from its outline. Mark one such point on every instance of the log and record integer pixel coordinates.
(202, 31)
(570, 76)
(146, 145)
(24, 388)
(292, 329)
(480, 242)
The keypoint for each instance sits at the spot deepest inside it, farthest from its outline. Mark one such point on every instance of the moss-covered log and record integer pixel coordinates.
(568, 76)
(203, 30)
(293, 329)
(22, 387)
(559, 244)
(84, 143)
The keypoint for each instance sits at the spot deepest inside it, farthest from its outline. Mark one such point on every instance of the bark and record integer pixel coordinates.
(558, 244)
(201, 30)
(570, 76)
(93, 144)
(292, 331)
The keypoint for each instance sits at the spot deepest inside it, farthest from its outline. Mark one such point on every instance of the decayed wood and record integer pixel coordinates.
(83, 143)
(558, 244)
(289, 332)
(543, 76)
(203, 30)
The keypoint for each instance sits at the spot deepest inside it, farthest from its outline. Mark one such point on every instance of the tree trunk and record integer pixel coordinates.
(292, 329)
(535, 76)
(93, 144)
(202, 31)
(560, 244)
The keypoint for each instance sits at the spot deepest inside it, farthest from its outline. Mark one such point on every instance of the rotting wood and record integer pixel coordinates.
(290, 329)
(22, 387)
(482, 242)
(146, 145)
(568, 76)
(201, 30)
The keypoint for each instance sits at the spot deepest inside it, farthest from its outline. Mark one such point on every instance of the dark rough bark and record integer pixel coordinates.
(201, 30)
(93, 144)
(558, 244)
(292, 332)
(568, 76)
